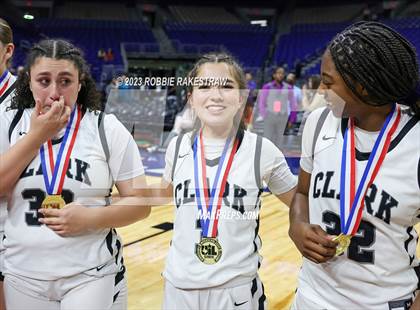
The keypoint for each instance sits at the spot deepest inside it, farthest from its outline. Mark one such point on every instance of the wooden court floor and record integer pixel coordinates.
(146, 245)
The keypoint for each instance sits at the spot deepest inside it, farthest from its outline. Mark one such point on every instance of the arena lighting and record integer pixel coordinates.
(261, 22)
(28, 16)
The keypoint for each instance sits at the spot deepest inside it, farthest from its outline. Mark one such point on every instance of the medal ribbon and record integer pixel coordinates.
(4, 81)
(210, 216)
(56, 171)
(351, 200)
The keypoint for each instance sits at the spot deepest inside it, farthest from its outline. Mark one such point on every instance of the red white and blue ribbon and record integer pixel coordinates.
(4, 81)
(352, 200)
(205, 197)
(55, 169)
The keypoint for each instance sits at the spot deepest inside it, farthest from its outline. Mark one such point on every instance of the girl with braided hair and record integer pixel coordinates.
(358, 192)
(59, 159)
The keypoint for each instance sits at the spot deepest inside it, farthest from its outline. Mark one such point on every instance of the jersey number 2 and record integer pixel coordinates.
(36, 196)
(364, 238)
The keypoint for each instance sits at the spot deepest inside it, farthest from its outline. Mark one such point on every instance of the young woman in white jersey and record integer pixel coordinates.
(6, 88)
(358, 195)
(217, 171)
(53, 155)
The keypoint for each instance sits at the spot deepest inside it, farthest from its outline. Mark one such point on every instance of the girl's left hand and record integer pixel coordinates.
(73, 220)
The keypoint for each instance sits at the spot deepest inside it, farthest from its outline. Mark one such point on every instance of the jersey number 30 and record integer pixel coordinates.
(36, 196)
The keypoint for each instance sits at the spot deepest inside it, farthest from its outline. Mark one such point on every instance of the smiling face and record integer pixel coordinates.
(216, 106)
(51, 78)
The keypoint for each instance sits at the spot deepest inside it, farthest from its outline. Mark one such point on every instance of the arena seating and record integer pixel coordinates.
(214, 15)
(308, 41)
(248, 43)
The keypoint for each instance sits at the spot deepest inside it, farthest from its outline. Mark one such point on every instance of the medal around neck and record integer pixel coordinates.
(351, 198)
(54, 171)
(209, 250)
(53, 202)
(343, 243)
(4, 81)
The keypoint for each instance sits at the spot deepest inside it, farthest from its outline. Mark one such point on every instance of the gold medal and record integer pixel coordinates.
(208, 250)
(343, 243)
(53, 202)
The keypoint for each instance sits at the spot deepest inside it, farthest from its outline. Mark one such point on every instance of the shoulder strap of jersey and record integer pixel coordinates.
(257, 162)
(8, 92)
(318, 127)
(14, 122)
(404, 131)
(177, 146)
(101, 128)
(102, 136)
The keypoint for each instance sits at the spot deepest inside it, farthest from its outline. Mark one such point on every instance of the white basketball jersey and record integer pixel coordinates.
(33, 250)
(6, 83)
(378, 270)
(239, 220)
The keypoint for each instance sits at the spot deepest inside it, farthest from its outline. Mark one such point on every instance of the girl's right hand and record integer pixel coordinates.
(313, 242)
(45, 126)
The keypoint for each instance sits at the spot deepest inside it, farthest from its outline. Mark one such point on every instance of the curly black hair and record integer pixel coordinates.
(381, 60)
(88, 97)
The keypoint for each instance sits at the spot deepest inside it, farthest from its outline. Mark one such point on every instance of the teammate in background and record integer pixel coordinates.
(312, 99)
(219, 169)
(360, 179)
(250, 102)
(65, 154)
(7, 86)
(277, 107)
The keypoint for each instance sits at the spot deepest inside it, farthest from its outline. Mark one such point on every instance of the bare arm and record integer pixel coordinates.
(161, 193)
(76, 219)
(127, 209)
(287, 197)
(416, 303)
(311, 240)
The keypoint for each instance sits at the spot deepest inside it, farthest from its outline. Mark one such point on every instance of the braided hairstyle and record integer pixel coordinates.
(382, 61)
(88, 96)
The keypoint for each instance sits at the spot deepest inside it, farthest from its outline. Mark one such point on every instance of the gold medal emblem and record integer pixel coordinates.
(208, 251)
(53, 202)
(343, 243)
